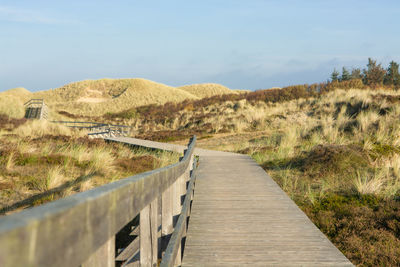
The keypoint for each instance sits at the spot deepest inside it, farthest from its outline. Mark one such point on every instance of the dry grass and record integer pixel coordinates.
(206, 89)
(54, 178)
(12, 102)
(102, 160)
(366, 185)
(40, 128)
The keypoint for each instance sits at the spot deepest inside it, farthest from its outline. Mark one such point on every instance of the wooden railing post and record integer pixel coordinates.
(167, 226)
(176, 204)
(148, 235)
(173, 253)
(191, 163)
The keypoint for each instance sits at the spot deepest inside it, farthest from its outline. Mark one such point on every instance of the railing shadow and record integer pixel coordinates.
(29, 202)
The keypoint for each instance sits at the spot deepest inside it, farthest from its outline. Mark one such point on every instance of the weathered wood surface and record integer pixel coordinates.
(167, 226)
(148, 235)
(241, 217)
(131, 250)
(67, 231)
(104, 256)
(174, 247)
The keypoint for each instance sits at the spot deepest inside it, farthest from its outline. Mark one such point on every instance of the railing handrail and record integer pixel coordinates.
(67, 231)
(96, 123)
(38, 100)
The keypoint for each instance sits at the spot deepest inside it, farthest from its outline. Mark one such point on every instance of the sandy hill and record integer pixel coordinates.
(206, 89)
(97, 91)
(96, 97)
(19, 91)
(12, 101)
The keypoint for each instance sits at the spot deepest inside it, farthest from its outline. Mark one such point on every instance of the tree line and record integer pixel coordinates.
(374, 75)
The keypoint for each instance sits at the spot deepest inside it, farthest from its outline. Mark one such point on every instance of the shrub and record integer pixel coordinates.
(374, 74)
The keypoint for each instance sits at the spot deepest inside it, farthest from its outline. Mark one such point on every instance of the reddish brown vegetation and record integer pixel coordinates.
(335, 159)
(66, 139)
(366, 229)
(8, 123)
(168, 111)
(137, 164)
(69, 115)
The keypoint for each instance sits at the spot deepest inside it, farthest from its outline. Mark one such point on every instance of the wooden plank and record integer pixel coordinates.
(148, 235)
(133, 261)
(67, 231)
(167, 226)
(135, 231)
(131, 250)
(176, 207)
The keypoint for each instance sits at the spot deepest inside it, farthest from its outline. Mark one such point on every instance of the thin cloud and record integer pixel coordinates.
(11, 14)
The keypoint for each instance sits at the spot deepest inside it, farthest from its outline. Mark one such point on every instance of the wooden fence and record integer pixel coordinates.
(83, 229)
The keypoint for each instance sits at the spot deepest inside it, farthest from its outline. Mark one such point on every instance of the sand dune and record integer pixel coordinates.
(207, 89)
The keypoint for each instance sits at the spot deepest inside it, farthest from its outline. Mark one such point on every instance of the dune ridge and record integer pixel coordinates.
(97, 97)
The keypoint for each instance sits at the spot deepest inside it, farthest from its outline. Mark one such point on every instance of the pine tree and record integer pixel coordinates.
(356, 73)
(392, 76)
(374, 74)
(345, 75)
(335, 75)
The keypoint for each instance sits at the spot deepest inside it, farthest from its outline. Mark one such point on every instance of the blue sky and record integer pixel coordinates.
(250, 44)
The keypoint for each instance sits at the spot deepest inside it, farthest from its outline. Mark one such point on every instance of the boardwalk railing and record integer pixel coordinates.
(99, 130)
(83, 229)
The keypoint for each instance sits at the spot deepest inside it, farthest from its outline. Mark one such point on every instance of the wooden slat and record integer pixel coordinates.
(148, 235)
(131, 250)
(133, 261)
(176, 204)
(135, 231)
(167, 226)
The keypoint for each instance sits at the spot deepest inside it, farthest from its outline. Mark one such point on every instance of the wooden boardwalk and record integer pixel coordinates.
(241, 217)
